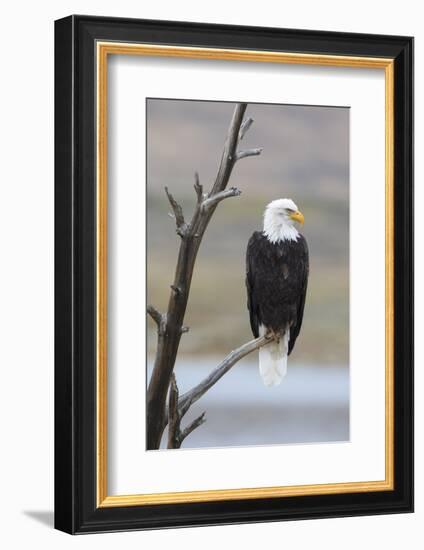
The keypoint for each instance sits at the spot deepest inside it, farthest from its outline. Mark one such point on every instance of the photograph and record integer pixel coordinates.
(233, 274)
(250, 258)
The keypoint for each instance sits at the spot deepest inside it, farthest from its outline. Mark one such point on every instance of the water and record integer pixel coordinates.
(311, 405)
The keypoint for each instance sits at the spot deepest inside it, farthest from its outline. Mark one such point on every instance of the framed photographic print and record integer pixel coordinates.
(234, 270)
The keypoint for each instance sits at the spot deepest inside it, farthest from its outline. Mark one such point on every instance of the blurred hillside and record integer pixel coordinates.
(306, 158)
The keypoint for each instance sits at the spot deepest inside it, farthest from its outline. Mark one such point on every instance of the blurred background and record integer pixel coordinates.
(305, 157)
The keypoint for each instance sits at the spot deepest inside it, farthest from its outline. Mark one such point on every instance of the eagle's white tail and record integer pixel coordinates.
(273, 360)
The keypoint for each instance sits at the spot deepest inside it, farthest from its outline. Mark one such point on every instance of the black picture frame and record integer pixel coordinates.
(76, 510)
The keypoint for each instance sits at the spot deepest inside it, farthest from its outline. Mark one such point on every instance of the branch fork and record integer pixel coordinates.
(175, 434)
(182, 227)
(218, 197)
(158, 318)
(247, 123)
(198, 188)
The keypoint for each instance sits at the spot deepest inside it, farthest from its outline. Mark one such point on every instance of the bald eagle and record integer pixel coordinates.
(277, 268)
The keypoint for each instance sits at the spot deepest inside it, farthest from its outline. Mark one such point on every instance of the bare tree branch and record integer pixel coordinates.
(192, 426)
(178, 214)
(175, 435)
(249, 153)
(245, 127)
(171, 325)
(174, 416)
(230, 149)
(193, 395)
(198, 188)
(158, 318)
(218, 197)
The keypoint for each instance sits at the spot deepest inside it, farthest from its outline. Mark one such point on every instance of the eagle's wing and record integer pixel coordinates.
(252, 305)
(303, 273)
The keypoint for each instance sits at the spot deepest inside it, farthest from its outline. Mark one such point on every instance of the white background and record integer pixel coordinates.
(26, 289)
(131, 468)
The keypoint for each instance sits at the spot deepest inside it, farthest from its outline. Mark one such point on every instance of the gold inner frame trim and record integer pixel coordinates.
(103, 49)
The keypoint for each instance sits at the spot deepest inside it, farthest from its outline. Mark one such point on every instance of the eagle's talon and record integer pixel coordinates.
(272, 335)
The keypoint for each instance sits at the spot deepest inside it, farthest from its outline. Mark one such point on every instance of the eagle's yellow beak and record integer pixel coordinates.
(298, 217)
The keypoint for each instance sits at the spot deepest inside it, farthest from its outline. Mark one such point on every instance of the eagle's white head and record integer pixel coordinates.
(279, 220)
